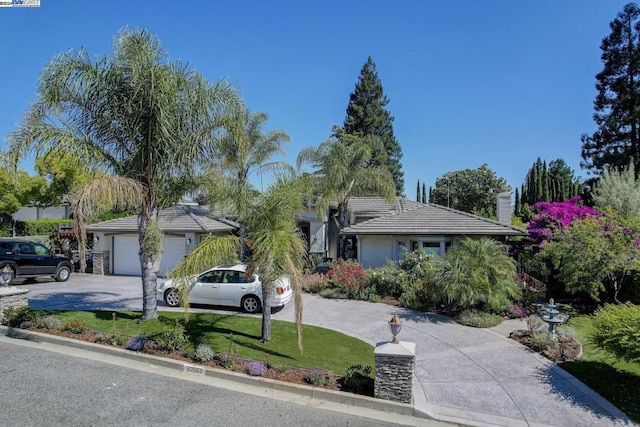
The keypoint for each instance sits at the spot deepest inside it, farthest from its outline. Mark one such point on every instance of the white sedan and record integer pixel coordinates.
(227, 285)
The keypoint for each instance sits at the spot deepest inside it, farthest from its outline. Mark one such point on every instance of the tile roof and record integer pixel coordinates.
(429, 219)
(181, 218)
(374, 207)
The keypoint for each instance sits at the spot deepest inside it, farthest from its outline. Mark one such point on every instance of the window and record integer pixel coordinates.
(41, 249)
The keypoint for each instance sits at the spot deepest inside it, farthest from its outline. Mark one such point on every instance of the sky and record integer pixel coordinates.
(469, 82)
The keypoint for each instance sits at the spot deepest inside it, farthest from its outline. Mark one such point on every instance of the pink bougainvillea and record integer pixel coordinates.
(553, 216)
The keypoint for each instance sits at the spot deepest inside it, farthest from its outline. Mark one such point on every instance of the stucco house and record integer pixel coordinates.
(184, 226)
(412, 225)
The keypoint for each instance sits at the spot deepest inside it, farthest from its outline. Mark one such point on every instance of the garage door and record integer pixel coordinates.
(174, 248)
(126, 260)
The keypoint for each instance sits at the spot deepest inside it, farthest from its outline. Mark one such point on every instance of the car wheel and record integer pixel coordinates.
(250, 304)
(63, 273)
(172, 298)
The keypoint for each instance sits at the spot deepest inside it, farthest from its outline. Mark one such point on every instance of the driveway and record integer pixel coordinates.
(465, 375)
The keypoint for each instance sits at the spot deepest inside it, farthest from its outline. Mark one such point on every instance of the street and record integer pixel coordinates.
(41, 387)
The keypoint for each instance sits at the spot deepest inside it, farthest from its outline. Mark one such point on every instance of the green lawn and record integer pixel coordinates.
(330, 350)
(617, 381)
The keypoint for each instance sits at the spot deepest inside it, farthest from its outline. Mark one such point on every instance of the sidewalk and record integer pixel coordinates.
(468, 375)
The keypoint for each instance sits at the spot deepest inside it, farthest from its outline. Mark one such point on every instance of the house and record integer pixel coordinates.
(430, 227)
(183, 226)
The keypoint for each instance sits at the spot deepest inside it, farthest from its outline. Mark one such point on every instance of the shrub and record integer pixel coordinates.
(314, 283)
(478, 319)
(39, 227)
(50, 321)
(616, 329)
(359, 380)
(565, 333)
(75, 327)
(387, 280)
(333, 293)
(256, 369)
(17, 317)
(204, 353)
(317, 377)
(541, 341)
(349, 276)
(175, 339)
(536, 324)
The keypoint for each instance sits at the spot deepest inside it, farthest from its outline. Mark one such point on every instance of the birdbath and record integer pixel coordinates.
(553, 317)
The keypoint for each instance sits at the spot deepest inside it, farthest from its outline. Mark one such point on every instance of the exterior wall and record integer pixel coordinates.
(374, 251)
(30, 213)
(317, 232)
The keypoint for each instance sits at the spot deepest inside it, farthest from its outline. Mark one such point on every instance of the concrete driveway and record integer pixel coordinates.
(465, 375)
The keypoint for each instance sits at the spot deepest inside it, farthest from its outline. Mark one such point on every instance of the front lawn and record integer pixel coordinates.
(330, 350)
(617, 381)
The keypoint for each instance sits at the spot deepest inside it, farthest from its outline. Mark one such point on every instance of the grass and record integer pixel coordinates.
(330, 350)
(617, 381)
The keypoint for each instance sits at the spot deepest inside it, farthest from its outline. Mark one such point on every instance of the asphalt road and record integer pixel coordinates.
(40, 387)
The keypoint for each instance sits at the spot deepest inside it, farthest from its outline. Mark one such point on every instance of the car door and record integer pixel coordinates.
(205, 288)
(25, 257)
(234, 286)
(45, 262)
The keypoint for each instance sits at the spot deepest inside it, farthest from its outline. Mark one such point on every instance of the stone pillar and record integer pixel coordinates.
(395, 364)
(12, 297)
(101, 262)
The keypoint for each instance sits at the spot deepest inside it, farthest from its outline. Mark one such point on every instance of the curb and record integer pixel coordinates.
(267, 383)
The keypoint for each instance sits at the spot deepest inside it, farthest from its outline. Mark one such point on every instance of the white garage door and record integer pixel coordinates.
(126, 260)
(174, 248)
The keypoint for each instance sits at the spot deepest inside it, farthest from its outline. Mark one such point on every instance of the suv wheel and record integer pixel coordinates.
(63, 273)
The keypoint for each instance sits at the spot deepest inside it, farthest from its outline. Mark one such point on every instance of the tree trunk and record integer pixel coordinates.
(343, 221)
(149, 266)
(266, 312)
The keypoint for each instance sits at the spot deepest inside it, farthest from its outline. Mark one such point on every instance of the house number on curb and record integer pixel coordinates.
(194, 369)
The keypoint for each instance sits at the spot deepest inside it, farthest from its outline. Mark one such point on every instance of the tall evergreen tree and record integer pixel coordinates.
(617, 105)
(424, 193)
(555, 183)
(367, 117)
(418, 192)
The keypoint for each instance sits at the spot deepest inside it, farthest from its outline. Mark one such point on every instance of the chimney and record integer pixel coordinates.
(503, 208)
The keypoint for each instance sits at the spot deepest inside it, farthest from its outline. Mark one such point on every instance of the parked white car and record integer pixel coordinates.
(227, 285)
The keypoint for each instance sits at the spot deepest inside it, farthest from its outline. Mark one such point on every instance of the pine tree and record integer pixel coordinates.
(617, 105)
(368, 117)
(516, 208)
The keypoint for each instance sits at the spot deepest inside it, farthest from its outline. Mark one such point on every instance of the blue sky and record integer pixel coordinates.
(500, 82)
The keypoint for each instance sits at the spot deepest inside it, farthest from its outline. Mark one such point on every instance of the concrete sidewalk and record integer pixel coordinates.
(463, 375)
(468, 375)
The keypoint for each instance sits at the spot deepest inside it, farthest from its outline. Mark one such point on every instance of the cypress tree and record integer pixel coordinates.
(424, 193)
(368, 117)
(418, 192)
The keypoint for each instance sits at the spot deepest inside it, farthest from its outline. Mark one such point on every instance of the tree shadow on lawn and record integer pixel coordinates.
(619, 388)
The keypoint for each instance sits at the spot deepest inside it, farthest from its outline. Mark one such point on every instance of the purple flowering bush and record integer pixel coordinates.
(552, 217)
(256, 369)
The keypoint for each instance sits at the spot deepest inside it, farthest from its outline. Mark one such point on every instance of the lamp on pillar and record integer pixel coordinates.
(395, 325)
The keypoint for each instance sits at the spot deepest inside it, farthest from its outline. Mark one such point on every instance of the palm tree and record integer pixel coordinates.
(149, 122)
(269, 237)
(342, 169)
(475, 272)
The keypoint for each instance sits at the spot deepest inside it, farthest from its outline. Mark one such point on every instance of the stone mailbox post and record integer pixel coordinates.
(395, 363)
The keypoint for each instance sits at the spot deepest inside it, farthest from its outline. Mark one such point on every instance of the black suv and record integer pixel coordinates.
(30, 259)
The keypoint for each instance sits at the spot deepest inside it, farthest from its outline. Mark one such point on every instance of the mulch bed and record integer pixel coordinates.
(566, 349)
